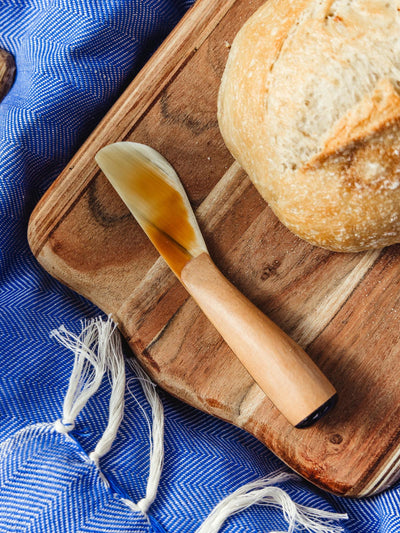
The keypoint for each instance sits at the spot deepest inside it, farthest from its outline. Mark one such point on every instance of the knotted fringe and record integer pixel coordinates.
(156, 438)
(88, 370)
(98, 350)
(262, 492)
(111, 349)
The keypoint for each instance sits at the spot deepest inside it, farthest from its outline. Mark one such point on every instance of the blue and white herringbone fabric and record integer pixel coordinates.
(74, 57)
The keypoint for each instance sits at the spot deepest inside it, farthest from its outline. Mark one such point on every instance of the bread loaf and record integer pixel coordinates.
(309, 105)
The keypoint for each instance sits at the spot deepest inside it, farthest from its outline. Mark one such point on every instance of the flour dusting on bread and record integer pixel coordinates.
(309, 105)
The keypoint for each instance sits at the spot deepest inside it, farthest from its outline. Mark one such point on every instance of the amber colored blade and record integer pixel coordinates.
(152, 191)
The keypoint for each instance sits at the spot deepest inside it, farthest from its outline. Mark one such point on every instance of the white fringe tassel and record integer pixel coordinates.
(110, 349)
(87, 373)
(262, 493)
(156, 437)
(98, 349)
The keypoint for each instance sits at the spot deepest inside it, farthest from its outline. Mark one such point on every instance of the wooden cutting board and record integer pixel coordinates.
(343, 309)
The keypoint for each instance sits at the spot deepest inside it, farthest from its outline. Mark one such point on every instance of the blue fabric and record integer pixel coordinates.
(74, 57)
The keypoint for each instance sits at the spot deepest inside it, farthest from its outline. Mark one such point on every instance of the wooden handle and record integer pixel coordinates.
(281, 368)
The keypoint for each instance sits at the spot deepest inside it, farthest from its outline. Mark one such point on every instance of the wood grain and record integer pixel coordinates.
(342, 308)
(7, 72)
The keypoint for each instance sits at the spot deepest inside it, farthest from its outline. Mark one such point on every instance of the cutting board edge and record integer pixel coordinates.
(193, 29)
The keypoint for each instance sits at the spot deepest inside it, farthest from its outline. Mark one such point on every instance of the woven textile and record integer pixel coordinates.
(74, 57)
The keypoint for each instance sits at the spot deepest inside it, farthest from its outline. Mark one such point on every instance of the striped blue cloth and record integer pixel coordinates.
(73, 60)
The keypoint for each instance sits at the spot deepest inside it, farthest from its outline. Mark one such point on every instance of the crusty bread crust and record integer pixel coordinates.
(309, 105)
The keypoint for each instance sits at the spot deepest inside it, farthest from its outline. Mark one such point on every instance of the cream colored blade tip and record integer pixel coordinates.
(138, 173)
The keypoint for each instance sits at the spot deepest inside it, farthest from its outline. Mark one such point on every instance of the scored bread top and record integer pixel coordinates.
(309, 105)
